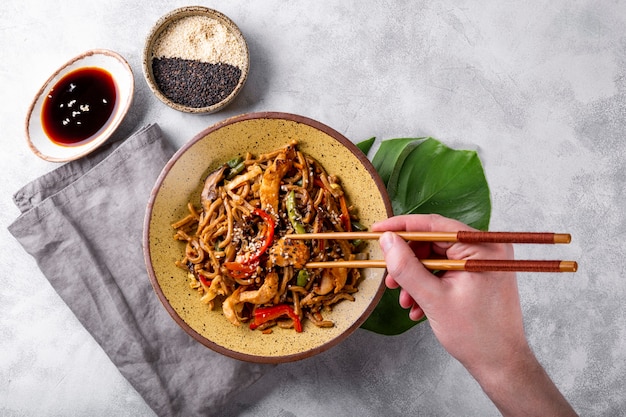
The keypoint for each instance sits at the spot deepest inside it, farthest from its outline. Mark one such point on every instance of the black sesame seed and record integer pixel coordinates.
(193, 83)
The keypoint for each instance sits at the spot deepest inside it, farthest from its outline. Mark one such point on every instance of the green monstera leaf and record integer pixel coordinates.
(422, 175)
(366, 145)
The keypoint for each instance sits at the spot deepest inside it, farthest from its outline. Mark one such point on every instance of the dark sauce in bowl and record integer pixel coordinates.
(78, 106)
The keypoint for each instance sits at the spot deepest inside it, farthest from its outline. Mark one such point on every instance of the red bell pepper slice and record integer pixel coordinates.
(265, 314)
(241, 270)
(345, 215)
(269, 234)
(203, 280)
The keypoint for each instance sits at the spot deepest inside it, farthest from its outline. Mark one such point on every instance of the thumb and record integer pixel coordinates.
(406, 270)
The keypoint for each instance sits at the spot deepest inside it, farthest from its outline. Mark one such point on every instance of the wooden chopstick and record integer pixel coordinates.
(472, 265)
(461, 236)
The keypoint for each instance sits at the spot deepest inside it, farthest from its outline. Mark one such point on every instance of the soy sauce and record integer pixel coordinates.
(78, 106)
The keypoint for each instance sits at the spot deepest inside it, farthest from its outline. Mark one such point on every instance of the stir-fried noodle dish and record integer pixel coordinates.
(237, 254)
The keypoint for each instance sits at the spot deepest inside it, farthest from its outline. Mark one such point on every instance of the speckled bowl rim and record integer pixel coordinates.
(147, 234)
(173, 16)
(117, 117)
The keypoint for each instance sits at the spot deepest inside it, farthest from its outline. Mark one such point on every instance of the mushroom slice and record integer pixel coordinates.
(209, 191)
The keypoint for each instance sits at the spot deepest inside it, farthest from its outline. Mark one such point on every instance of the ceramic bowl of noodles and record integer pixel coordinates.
(219, 246)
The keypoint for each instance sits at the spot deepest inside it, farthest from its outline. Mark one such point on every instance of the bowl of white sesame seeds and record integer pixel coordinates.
(196, 60)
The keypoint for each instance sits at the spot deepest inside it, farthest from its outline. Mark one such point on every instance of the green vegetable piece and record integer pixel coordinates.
(236, 170)
(358, 227)
(303, 278)
(292, 213)
(234, 162)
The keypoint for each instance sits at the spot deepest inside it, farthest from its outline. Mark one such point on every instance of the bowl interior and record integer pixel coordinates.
(162, 24)
(122, 74)
(180, 182)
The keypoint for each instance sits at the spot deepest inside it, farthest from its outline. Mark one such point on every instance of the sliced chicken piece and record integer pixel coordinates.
(214, 290)
(289, 252)
(270, 183)
(264, 294)
(340, 276)
(232, 306)
(333, 279)
(327, 284)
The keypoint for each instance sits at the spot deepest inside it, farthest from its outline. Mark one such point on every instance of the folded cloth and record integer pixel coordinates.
(83, 224)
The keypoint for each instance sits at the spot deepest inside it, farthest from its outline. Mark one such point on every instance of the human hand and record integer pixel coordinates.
(476, 316)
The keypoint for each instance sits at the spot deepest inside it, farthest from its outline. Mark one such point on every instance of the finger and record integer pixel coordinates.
(416, 313)
(423, 223)
(420, 223)
(405, 300)
(390, 282)
(407, 270)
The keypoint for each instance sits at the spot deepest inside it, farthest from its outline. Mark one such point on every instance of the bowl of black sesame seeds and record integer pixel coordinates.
(196, 60)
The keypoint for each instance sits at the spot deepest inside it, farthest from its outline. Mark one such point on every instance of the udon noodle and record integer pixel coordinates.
(236, 250)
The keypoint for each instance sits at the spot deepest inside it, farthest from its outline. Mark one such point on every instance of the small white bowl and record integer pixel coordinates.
(42, 145)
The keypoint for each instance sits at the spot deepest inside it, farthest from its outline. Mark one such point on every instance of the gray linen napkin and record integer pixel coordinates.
(83, 224)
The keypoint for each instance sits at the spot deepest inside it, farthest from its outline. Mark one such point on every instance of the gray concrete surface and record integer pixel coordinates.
(538, 88)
